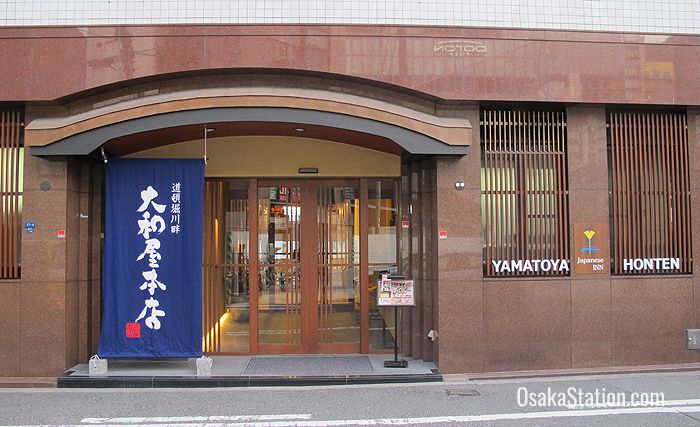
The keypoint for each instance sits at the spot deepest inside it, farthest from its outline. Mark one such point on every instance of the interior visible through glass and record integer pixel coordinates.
(279, 271)
(236, 249)
(225, 290)
(336, 279)
(338, 214)
(382, 214)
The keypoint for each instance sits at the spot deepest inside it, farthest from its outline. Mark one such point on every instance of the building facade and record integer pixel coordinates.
(536, 174)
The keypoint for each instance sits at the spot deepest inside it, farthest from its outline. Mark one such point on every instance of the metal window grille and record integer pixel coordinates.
(524, 192)
(11, 155)
(649, 193)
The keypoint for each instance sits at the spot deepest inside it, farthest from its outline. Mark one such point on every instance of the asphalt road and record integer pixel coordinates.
(543, 402)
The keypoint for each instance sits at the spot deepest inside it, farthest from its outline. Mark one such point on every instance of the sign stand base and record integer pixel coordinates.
(396, 363)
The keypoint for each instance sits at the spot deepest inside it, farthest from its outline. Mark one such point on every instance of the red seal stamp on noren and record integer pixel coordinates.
(133, 330)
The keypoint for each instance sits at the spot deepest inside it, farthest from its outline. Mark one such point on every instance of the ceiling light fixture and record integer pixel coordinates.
(308, 170)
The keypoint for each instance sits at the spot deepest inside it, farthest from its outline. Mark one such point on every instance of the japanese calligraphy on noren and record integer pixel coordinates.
(175, 197)
(150, 226)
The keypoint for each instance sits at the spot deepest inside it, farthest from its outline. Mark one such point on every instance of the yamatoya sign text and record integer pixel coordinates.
(552, 266)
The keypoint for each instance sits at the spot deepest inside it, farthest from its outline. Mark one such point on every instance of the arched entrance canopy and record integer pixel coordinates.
(413, 131)
(89, 141)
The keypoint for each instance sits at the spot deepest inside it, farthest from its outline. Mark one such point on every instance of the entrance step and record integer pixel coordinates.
(253, 371)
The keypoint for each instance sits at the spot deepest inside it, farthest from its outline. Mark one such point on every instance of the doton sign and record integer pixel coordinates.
(459, 48)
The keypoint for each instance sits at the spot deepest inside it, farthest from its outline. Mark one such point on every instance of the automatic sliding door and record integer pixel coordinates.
(253, 276)
(338, 282)
(280, 322)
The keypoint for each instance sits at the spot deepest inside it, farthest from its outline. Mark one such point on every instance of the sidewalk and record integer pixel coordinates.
(680, 367)
(237, 371)
(27, 382)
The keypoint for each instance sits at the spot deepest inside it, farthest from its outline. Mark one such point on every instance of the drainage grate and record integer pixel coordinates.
(462, 392)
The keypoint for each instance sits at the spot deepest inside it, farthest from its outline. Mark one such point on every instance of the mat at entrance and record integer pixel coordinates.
(308, 365)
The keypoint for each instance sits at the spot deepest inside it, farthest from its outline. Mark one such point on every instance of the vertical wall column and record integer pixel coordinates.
(591, 310)
(694, 163)
(59, 297)
(411, 339)
(459, 255)
(9, 329)
(89, 259)
(429, 262)
(46, 294)
(418, 258)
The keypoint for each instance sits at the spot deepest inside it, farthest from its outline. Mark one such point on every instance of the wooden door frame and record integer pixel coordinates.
(253, 261)
(315, 346)
(302, 347)
(309, 252)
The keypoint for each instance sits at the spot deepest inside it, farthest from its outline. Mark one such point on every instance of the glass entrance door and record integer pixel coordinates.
(308, 297)
(290, 266)
(280, 308)
(338, 316)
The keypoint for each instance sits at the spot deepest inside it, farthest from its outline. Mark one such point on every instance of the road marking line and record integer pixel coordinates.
(408, 421)
(194, 419)
(683, 402)
(476, 418)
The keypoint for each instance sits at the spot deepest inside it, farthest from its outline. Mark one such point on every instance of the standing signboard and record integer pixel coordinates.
(395, 292)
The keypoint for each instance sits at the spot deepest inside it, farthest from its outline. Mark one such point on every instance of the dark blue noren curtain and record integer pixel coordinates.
(152, 270)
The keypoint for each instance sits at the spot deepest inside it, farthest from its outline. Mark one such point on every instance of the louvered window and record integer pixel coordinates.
(524, 193)
(650, 193)
(11, 172)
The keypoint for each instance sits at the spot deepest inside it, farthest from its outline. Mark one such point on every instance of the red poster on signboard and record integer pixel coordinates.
(395, 293)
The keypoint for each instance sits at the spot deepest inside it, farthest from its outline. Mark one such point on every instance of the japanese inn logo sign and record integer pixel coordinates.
(590, 254)
(589, 233)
